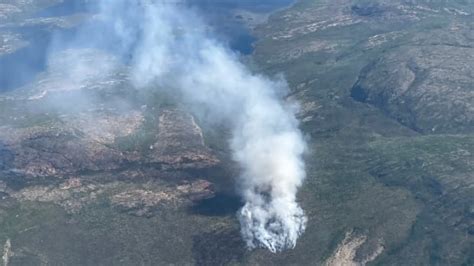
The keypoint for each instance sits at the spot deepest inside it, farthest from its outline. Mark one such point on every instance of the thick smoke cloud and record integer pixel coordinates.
(169, 46)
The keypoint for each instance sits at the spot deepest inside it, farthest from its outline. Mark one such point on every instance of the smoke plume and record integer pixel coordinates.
(170, 47)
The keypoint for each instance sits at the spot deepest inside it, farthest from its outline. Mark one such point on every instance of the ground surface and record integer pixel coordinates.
(386, 92)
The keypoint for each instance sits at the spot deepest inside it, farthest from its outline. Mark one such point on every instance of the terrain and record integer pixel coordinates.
(106, 174)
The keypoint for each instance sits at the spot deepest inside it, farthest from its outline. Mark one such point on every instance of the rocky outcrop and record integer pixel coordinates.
(346, 252)
(65, 140)
(7, 252)
(72, 194)
(55, 151)
(146, 199)
(148, 202)
(180, 142)
(87, 142)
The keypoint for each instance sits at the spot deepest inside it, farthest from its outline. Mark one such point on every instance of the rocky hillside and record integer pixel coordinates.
(94, 172)
(416, 55)
(386, 95)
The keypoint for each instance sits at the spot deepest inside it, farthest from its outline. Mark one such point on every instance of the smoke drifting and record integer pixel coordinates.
(170, 47)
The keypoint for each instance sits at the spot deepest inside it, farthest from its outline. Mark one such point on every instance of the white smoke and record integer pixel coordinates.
(172, 48)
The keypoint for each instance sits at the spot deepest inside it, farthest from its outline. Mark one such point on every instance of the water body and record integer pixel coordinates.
(221, 16)
(218, 13)
(19, 68)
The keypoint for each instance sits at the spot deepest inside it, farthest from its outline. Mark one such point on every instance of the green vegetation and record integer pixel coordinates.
(368, 171)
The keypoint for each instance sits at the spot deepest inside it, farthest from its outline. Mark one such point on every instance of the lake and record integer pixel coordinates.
(218, 13)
